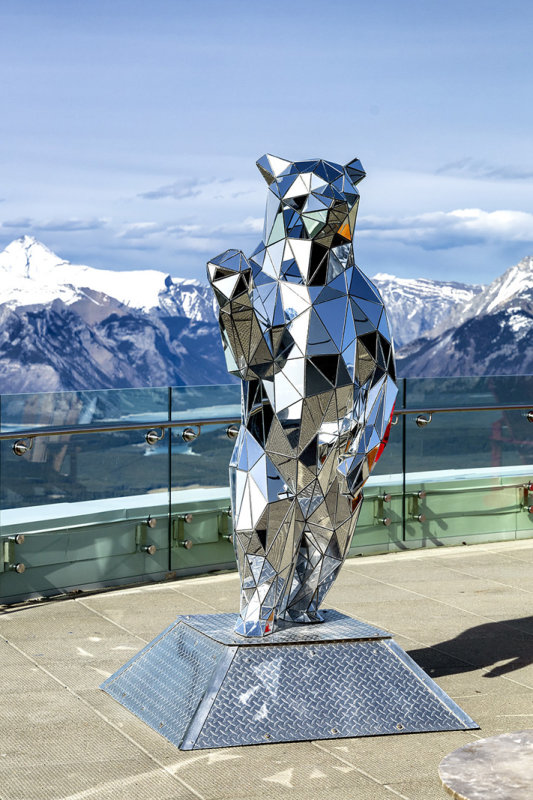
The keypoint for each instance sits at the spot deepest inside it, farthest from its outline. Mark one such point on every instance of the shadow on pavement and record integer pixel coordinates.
(485, 645)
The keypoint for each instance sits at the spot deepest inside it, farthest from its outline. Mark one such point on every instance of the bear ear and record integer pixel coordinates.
(355, 171)
(271, 167)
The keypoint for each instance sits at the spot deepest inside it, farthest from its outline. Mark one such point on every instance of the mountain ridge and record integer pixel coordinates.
(66, 327)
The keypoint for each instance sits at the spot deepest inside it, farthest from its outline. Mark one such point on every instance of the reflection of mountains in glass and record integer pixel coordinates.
(88, 467)
(118, 405)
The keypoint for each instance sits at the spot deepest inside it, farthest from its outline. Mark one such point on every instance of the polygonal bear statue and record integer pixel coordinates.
(307, 333)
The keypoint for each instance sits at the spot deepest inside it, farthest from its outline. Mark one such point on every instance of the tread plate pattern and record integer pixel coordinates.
(336, 626)
(164, 684)
(200, 692)
(302, 692)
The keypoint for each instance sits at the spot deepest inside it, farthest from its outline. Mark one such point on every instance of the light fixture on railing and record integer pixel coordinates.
(529, 416)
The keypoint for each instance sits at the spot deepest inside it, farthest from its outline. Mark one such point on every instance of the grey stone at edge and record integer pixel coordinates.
(498, 768)
(202, 686)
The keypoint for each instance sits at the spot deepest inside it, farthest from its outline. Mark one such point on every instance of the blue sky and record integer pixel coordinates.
(129, 130)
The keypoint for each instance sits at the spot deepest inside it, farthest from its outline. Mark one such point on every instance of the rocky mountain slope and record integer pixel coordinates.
(69, 327)
(416, 306)
(65, 326)
(492, 334)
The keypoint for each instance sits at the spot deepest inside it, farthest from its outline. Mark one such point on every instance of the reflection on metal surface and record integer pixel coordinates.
(232, 431)
(154, 436)
(201, 685)
(189, 434)
(21, 446)
(422, 420)
(307, 333)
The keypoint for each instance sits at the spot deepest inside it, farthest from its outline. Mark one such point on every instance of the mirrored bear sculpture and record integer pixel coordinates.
(307, 333)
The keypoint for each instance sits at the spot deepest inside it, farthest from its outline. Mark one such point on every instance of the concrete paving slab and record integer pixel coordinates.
(509, 573)
(130, 610)
(129, 779)
(402, 759)
(522, 554)
(420, 789)
(299, 770)
(64, 739)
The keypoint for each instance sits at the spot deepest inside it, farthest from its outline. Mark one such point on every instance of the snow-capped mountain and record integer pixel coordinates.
(491, 336)
(69, 327)
(416, 306)
(31, 274)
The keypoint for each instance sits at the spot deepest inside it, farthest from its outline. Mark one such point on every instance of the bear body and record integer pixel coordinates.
(308, 335)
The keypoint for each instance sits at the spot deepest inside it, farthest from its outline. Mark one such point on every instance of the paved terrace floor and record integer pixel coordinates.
(464, 614)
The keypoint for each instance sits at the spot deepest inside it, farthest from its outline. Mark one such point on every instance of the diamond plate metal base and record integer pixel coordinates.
(201, 685)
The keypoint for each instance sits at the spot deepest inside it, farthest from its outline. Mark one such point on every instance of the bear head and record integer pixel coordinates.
(312, 199)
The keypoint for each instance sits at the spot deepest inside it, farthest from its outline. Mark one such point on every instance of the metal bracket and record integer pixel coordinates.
(8, 561)
(141, 536)
(527, 497)
(382, 514)
(413, 506)
(178, 531)
(224, 526)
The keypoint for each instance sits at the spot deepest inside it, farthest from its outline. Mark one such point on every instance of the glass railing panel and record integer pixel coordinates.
(203, 462)
(82, 467)
(200, 526)
(205, 402)
(464, 440)
(470, 465)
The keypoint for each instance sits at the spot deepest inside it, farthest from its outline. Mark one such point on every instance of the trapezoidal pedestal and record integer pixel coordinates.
(201, 685)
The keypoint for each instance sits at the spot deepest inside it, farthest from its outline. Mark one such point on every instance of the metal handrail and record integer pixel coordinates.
(199, 423)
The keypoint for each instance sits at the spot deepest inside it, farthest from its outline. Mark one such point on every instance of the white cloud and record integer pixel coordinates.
(72, 224)
(446, 229)
(189, 230)
(484, 170)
